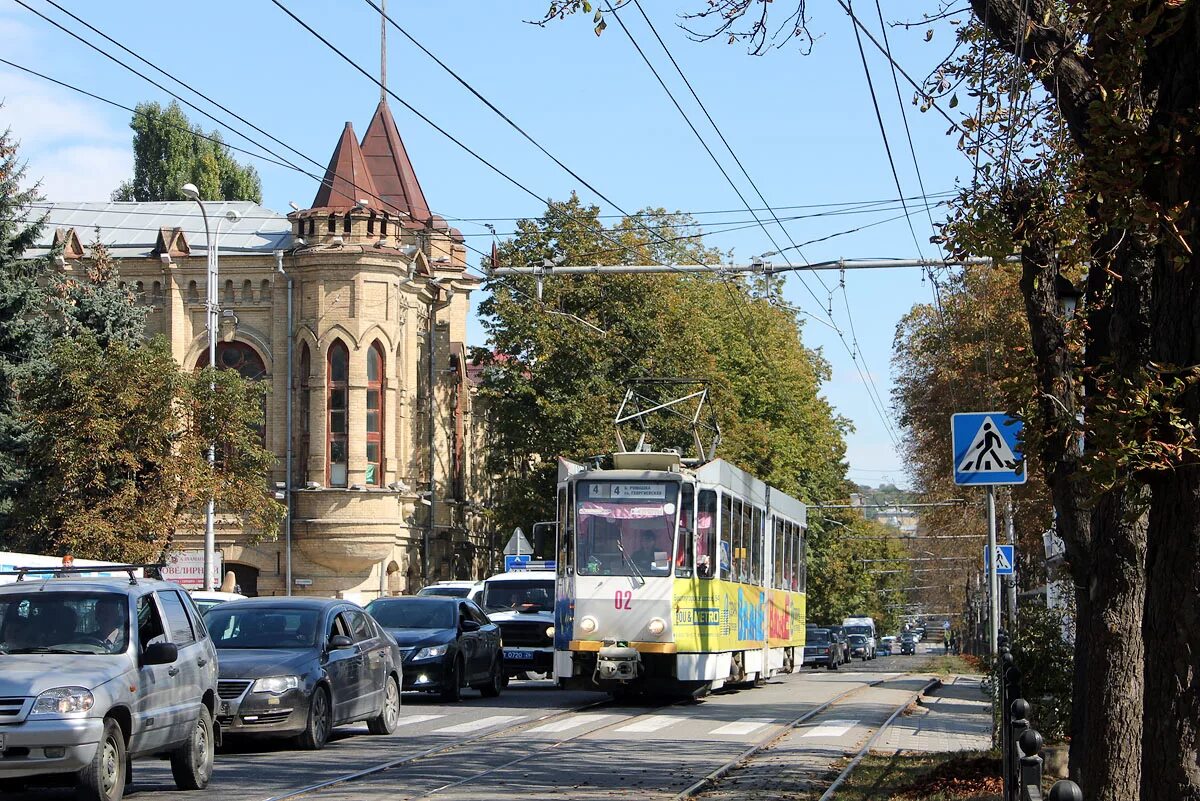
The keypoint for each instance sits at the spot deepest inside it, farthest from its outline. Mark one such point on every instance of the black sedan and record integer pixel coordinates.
(859, 646)
(447, 643)
(301, 666)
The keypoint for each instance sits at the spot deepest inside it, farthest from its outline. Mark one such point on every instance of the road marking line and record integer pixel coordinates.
(832, 728)
(744, 726)
(569, 723)
(649, 724)
(412, 720)
(482, 723)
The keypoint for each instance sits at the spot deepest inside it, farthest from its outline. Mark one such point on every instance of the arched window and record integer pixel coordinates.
(157, 297)
(305, 409)
(383, 224)
(139, 292)
(312, 226)
(247, 291)
(193, 295)
(371, 223)
(347, 223)
(245, 359)
(375, 418)
(228, 299)
(264, 291)
(337, 428)
(332, 223)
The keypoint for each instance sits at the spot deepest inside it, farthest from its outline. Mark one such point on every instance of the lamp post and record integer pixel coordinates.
(213, 312)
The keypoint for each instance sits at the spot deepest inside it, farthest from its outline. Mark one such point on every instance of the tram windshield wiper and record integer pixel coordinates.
(632, 566)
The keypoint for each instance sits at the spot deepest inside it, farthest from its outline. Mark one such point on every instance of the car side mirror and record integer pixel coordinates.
(469, 625)
(160, 653)
(339, 641)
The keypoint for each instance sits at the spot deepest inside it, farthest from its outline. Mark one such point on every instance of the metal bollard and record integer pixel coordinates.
(1030, 744)
(1065, 790)
(1018, 714)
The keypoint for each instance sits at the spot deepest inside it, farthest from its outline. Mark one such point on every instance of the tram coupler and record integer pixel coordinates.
(617, 662)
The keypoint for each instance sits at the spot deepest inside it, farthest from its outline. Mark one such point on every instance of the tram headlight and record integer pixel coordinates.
(656, 626)
(550, 631)
(587, 624)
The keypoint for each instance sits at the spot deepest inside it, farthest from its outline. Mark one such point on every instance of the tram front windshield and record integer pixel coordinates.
(625, 528)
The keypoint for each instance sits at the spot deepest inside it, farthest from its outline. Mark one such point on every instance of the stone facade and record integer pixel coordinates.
(377, 284)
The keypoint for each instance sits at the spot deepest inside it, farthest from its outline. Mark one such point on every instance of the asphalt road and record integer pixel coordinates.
(537, 742)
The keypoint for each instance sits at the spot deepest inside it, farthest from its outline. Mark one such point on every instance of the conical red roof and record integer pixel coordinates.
(390, 168)
(347, 179)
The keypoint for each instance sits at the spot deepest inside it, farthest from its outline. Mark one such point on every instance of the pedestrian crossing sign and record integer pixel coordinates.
(1006, 561)
(986, 448)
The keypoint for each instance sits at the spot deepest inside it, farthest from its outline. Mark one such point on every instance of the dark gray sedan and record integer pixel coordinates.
(301, 666)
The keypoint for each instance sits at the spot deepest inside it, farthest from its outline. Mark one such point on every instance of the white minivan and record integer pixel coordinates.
(864, 626)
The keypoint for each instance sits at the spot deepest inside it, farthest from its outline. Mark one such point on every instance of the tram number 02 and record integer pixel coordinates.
(623, 599)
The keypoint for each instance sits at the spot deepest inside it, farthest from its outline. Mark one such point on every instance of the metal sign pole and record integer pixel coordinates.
(993, 577)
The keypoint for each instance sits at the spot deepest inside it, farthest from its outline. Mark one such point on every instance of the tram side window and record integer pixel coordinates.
(737, 573)
(686, 544)
(780, 554)
(797, 557)
(726, 537)
(802, 540)
(566, 536)
(747, 543)
(756, 547)
(706, 533)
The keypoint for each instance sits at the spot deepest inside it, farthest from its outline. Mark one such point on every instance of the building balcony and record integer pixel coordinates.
(347, 530)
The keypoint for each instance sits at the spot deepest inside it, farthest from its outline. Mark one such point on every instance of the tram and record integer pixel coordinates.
(675, 579)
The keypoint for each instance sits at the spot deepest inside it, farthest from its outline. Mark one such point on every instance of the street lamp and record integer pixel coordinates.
(211, 244)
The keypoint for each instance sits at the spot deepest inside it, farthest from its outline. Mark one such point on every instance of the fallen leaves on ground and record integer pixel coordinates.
(957, 778)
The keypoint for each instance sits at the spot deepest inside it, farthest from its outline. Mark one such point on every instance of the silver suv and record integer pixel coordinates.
(97, 671)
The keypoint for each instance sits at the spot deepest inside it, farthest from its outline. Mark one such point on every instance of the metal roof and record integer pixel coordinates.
(130, 230)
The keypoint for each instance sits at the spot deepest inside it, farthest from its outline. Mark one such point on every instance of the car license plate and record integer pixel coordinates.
(521, 656)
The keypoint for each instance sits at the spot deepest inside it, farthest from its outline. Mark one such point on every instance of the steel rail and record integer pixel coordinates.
(862, 752)
(713, 776)
(430, 752)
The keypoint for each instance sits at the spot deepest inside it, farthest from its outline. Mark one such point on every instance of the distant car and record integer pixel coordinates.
(859, 646)
(453, 589)
(95, 672)
(820, 649)
(838, 635)
(301, 666)
(908, 644)
(885, 646)
(446, 644)
(207, 599)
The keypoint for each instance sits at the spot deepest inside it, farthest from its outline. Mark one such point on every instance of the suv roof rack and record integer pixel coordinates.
(59, 572)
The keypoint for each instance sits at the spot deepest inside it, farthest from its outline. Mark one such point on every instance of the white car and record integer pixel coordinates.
(470, 590)
(207, 599)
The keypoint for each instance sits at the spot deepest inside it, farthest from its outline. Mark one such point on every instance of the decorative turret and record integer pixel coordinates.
(392, 171)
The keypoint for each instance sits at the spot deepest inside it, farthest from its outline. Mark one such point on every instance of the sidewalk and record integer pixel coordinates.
(955, 717)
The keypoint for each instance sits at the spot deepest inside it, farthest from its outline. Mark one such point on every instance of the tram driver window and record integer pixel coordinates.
(625, 529)
(687, 528)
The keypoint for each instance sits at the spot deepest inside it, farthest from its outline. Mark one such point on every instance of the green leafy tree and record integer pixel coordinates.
(168, 152)
(119, 437)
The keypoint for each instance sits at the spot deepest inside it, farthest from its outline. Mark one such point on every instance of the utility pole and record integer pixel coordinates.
(1011, 580)
(993, 578)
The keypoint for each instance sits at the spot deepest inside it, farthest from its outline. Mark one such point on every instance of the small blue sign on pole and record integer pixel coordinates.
(1006, 560)
(516, 563)
(986, 448)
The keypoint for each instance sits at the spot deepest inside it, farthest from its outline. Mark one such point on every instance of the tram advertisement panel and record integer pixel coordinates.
(722, 616)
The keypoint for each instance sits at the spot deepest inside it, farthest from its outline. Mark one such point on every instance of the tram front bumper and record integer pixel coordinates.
(618, 662)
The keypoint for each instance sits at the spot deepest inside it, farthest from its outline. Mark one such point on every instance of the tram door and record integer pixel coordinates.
(564, 552)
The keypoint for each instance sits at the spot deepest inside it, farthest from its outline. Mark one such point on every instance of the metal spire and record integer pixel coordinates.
(382, 50)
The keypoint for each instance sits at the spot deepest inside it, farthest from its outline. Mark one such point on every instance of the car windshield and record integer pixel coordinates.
(204, 604)
(818, 635)
(446, 592)
(533, 595)
(863, 630)
(413, 613)
(625, 528)
(262, 627)
(47, 622)
(857, 639)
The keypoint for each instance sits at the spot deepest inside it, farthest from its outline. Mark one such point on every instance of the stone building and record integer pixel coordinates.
(375, 284)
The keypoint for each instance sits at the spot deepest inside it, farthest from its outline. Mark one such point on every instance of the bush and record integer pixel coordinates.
(1047, 667)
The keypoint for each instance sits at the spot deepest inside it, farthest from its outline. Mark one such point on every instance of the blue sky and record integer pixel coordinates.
(803, 126)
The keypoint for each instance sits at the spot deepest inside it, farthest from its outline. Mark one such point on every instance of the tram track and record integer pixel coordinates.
(435, 751)
(733, 764)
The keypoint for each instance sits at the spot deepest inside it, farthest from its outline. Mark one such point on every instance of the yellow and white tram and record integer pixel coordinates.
(676, 580)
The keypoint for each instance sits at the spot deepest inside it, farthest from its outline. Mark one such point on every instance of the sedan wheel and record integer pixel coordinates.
(385, 722)
(192, 763)
(320, 721)
(452, 683)
(104, 778)
(496, 681)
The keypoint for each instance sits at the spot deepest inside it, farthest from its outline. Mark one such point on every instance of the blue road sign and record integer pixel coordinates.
(986, 449)
(1006, 560)
(516, 563)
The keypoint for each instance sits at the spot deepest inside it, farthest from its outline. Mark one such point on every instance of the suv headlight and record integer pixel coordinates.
(63, 701)
(431, 652)
(276, 685)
